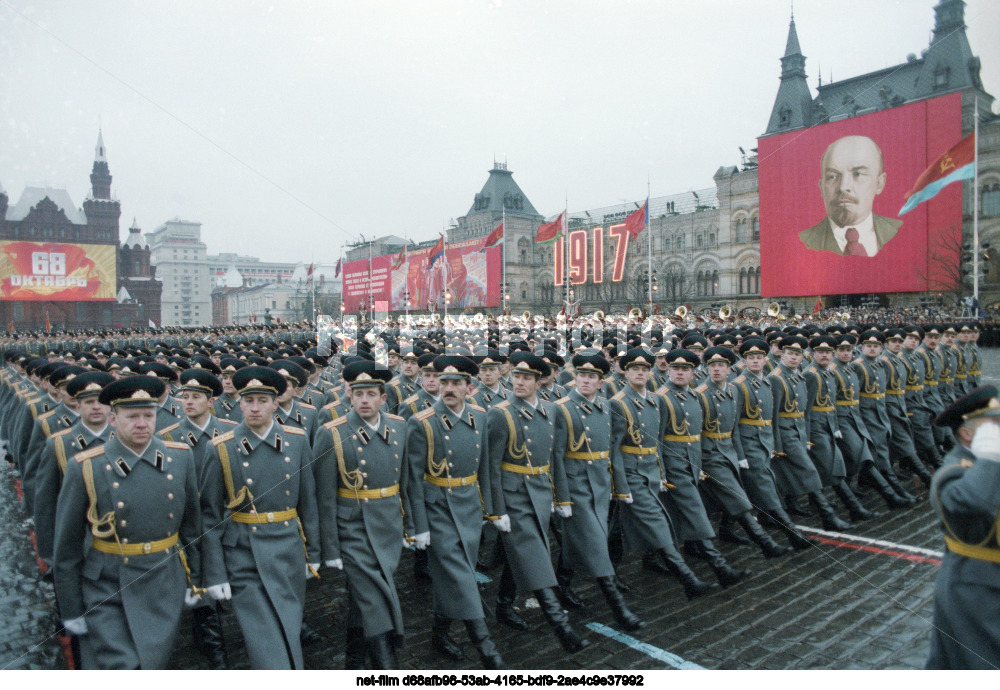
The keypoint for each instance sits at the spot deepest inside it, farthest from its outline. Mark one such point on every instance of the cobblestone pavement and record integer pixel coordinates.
(847, 604)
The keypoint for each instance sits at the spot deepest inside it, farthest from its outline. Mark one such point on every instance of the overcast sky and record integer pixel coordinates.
(289, 128)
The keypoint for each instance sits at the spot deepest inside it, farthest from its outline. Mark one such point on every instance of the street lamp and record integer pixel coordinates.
(406, 304)
(651, 285)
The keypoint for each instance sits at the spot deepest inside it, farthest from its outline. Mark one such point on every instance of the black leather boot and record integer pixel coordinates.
(654, 563)
(480, 636)
(783, 522)
(826, 514)
(616, 602)
(441, 639)
(918, 468)
(728, 534)
(622, 586)
(554, 614)
(206, 625)
(354, 649)
(893, 481)
(858, 512)
(792, 507)
(870, 476)
(725, 573)
(505, 612)
(674, 562)
(421, 569)
(564, 576)
(381, 652)
(769, 547)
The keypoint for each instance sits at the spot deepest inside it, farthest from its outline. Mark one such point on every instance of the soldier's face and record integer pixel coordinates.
(680, 375)
(134, 426)
(791, 358)
(258, 410)
(823, 357)
(963, 337)
(453, 392)
(894, 346)
(430, 381)
(931, 341)
(409, 367)
(587, 383)
(92, 412)
(661, 363)
(489, 375)
(948, 339)
(718, 371)
(393, 359)
(637, 375)
(227, 384)
(850, 179)
(871, 350)
(755, 363)
(196, 405)
(911, 342)
(845, 354)
(366, 401)
(525, 385)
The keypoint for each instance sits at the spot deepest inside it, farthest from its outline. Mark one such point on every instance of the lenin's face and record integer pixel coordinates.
(851, 176)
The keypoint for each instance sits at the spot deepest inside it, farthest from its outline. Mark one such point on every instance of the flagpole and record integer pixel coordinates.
(314, 289)
(975, 207)
(371, 295)
(565, 234)
(649, 238)
(503, 254)
(444, 281)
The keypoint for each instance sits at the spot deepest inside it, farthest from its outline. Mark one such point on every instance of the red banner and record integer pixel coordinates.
(472, 276)
(829, 199)
(52, 271)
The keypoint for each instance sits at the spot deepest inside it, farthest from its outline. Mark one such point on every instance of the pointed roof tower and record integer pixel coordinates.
(793, 105)
(502, 194)
(135, 239)
(100, 176)
(948, 64)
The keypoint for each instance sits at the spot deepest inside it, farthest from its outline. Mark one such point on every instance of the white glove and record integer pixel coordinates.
(422, 540)
(744, 464)
(564, 511)
(190, 598)
(76, 626)
(221, 592)
(986, 442)
(626, 499)
(335, 563)
(663, 486)
(502, 523)
(838, 434)
(312, 570)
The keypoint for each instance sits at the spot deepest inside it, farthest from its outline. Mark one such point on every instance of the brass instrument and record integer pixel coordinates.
(681, 312)
(635, 313)
(726, 312)
(598, 315)
(774, 309)
(526, 315)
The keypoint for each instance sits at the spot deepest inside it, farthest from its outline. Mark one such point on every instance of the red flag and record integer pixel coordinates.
(957, 163)
(550, 232)
(48, 325)
(494, 238)
(638, 220)
(336, 271)
(818, 307)
(309, 274)
(437, 251)
(10, 326)
(400, 258)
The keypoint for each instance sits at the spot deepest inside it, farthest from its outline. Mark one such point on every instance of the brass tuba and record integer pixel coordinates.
(526, 315)
(773, 309)
(726, 312)
(598, 315)
(681, 312)
(635, 313)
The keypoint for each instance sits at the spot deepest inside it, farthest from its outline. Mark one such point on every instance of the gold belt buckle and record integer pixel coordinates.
(270, 517)
(147, 548)
(383, 492)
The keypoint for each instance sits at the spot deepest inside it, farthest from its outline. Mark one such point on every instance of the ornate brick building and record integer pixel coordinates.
(44, 214)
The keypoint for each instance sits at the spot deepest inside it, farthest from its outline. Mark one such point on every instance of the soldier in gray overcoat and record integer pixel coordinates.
(965, 493)
(521, 436)
(361, 489)
(260, 554)
(447, 455)
(127, 512)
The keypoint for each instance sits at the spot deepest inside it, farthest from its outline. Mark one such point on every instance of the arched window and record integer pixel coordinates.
(711, 239)
(741, 230)
(756, 280)
(680, 242)
(744, 284)
(991, 200)
(755, 221)
(524, 291)
(715, 282)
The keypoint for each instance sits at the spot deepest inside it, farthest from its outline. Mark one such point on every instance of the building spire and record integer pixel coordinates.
(99, 151)
(793, 105)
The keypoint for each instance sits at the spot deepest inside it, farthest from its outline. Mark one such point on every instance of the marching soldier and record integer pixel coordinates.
(721, 450)
(227, 405)
(361, 491)
(917, 409)
(269, 544)
(123, 508)
(756, 410)
(521, 435)
(198, 389)
(792, 467)
(934, 370)
(898, 374)
(635, 434)
(430, 388)
(583, 438)
(168, 411)
(489, 392)
(447, 455)
(966, 496)
(292, 411)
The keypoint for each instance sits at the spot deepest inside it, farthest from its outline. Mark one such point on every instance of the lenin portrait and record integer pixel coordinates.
(852, 174)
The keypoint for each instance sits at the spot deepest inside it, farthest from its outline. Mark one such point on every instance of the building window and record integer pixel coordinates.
(136, 268)
(711, 239)
(715, 282)
(701, 241)
(743, 281)
(755, 222)
(680, 242)
(991, 200)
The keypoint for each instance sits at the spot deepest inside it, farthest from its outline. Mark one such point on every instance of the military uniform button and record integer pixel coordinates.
(246, 464)
(115, 485)
(359, 449)
(287, 459)
(122, 523)
(249, 481)
(169, 459)
(121, 504)
(288, 493)
(171, 516)
(253, 528)
(125, 560)
(362, 462)
(107, 467)
(124, 541)
(587, 428)
(364, 486)
(170, 476)
(447, 438)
